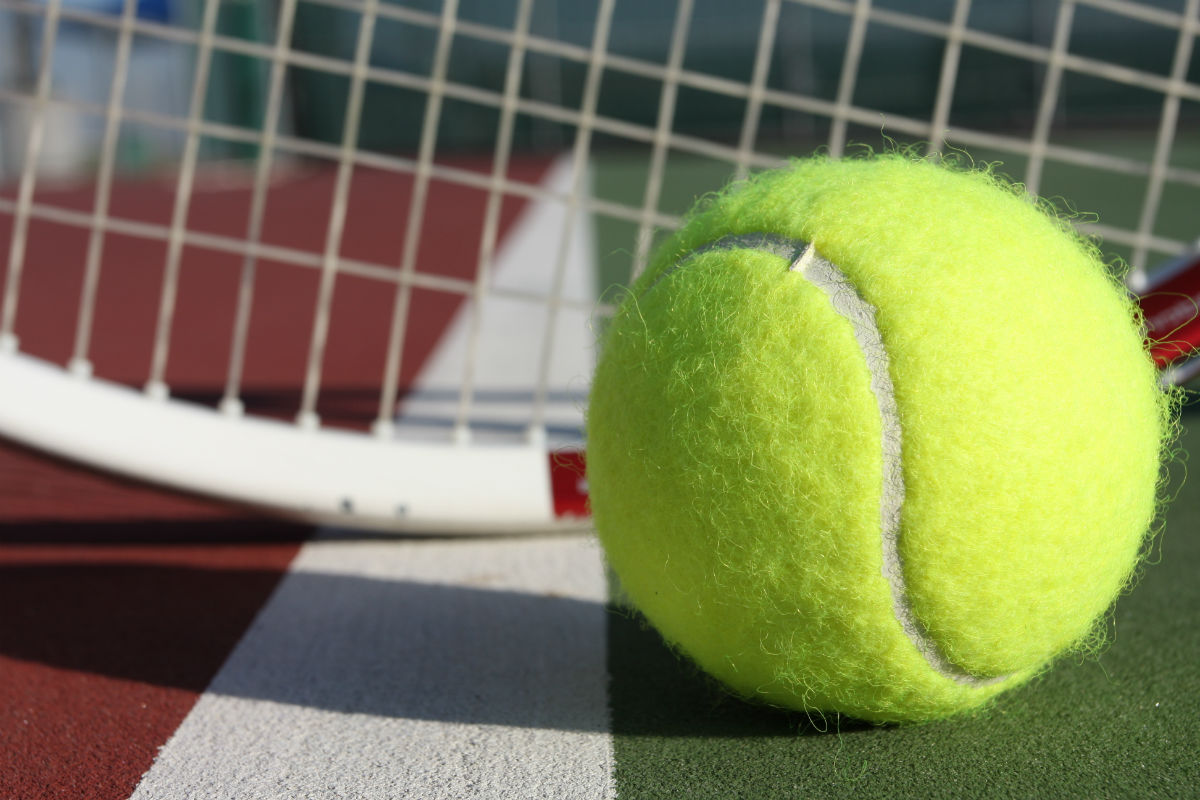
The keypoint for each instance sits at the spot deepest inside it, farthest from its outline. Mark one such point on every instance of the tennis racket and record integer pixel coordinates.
(344, 260)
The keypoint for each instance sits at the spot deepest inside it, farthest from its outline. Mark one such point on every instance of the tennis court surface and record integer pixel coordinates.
(409, 220)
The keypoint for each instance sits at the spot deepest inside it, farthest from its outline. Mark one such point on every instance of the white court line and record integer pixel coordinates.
(424, 669)
(511, 331)
(430, 669)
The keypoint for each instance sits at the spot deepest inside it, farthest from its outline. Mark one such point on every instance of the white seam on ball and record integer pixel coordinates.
(804, 259)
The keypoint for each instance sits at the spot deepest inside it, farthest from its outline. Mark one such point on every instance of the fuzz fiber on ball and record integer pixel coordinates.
(740, 429)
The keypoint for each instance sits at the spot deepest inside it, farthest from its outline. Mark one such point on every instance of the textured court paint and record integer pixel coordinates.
(106, 643)
(734, 439)
(423, 669)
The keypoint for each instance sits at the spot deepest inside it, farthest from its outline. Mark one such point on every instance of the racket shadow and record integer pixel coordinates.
(344, 643)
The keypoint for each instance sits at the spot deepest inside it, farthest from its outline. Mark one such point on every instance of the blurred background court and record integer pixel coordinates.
(1074, 107)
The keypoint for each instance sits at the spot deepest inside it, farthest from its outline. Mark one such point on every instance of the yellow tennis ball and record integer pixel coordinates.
(875, 436)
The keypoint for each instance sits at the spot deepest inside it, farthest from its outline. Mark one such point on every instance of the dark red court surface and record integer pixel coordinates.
(120, 601)
(297, 212)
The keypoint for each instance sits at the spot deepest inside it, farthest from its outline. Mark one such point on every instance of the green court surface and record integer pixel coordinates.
(1124, 724)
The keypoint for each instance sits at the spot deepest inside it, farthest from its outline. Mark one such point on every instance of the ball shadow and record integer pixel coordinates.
(655, 691)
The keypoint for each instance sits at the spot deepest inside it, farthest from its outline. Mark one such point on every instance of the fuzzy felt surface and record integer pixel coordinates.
(735, 456)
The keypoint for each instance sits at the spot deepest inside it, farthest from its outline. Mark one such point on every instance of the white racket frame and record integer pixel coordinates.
(373, 479)
(321, 474)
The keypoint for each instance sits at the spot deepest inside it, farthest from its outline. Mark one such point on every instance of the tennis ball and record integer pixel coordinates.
(875, 436)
